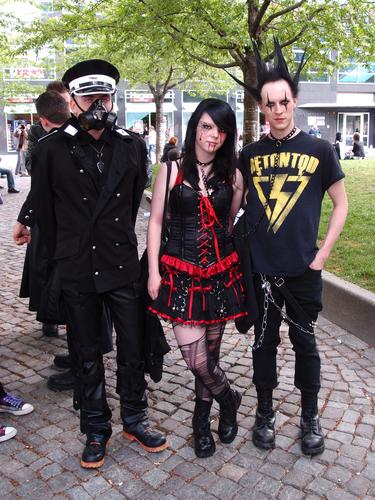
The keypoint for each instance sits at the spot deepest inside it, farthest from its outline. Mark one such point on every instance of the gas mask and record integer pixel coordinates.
(97, 117)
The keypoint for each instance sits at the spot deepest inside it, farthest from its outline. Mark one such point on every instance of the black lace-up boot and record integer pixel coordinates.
(204, 444)
(95, 414)
(229, 403)
(94, 451)
(137, 428)
(131, 387)
(264, 426)
(312, 439)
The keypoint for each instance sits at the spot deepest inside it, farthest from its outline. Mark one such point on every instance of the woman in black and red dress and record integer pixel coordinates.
(199, 286)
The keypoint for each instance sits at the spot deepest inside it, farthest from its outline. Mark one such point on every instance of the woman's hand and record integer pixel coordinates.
(153, 285)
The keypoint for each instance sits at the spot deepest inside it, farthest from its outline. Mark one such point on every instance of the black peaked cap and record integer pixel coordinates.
(89, 68)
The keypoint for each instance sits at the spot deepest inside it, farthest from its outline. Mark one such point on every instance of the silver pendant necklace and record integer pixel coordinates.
(205, 179)
(99, 155)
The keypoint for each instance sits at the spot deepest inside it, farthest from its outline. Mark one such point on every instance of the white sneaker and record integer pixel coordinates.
(14, 405)
(7, 432)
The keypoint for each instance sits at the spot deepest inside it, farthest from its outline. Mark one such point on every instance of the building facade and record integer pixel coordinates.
(344, 102)
(336, 105)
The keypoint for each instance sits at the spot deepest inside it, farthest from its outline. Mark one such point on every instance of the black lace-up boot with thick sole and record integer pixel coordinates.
(312, 439)
(229, 403)
(264, 431)
(151, 440)
(204, 444)
(94, 451)
(264, 427)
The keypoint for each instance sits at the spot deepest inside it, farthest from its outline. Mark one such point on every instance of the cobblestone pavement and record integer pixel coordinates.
(42, 461)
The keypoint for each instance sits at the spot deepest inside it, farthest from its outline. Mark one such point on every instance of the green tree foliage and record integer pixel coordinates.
(119, 32)
(160, 42)
(219, 33)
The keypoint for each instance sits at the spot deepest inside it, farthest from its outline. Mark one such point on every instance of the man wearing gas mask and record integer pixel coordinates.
(86, 192)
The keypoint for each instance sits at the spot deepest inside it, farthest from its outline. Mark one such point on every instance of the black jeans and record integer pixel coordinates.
(84, 315)
(307, 290)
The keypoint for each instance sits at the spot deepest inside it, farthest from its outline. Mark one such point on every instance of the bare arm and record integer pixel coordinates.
(339, 212)
(238, 191)
(155, 227)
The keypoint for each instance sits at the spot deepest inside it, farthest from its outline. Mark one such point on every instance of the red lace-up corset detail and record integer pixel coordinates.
(208, 219)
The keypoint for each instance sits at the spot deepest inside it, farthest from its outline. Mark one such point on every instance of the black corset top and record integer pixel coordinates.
(198, 224)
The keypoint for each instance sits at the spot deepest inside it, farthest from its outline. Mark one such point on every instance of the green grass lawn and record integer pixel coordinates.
(353, 257)
(354, 253)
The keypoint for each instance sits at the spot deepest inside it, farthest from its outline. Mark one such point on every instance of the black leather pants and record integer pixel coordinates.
(84, 311)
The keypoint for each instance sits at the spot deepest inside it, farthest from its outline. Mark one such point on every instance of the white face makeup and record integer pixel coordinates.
(278, 105)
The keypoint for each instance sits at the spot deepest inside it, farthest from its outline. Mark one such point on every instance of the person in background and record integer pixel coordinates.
(152, 143)
(336, 144)
(10, 179)
(37, 131)
(14, 405)
(21, 136)
(139, 128)
(315, 131)
(53, 111)
(199, 288)
(358, 149)
(170, 151)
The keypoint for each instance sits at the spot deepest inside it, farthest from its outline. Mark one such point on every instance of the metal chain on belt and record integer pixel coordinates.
(268, 297)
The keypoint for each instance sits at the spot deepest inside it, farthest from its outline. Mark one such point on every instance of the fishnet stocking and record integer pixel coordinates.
(201, 355)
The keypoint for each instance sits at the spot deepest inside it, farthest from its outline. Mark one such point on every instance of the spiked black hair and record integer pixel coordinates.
(267, 72)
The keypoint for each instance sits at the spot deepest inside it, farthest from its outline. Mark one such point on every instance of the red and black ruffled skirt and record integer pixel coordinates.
(193, 295)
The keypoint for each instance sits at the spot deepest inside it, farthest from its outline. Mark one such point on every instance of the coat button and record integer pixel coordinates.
(30, 211)
(118, 195)
(27, 217)
(116, 219)
(120, 267)
(96, 273)
(93, 247)
(84, 199)
(81, 171)
(117, 244)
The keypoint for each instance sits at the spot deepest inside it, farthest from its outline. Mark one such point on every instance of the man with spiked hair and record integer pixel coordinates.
(288, 173)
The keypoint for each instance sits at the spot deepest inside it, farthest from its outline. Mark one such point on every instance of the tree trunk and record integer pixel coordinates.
(159, 125)
(250, 119)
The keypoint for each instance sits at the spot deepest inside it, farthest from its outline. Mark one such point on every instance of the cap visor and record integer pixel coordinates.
(98, 89)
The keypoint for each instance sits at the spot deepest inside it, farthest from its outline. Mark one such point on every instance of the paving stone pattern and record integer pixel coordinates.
(42, 461)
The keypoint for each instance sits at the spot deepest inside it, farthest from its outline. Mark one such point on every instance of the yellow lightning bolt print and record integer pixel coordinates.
(285, 200)
(281, 198)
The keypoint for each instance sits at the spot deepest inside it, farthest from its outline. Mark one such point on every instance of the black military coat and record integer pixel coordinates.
(88, 232)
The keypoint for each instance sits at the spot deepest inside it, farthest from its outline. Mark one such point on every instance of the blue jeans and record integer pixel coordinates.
(10, 178)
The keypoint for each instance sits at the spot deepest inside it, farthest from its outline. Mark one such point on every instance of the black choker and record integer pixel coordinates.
(283, 139)
(203, 164)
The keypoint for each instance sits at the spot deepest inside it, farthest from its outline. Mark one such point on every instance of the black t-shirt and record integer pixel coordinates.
(284, 243)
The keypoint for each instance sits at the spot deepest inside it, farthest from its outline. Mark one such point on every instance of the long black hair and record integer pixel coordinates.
(223, 166)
